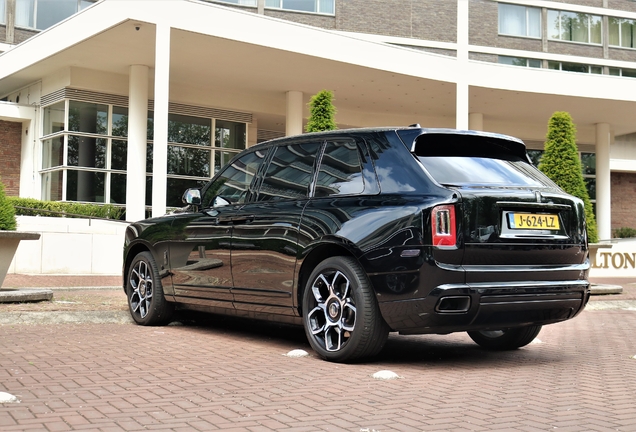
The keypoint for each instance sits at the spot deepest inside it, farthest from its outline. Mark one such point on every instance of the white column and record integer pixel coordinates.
(603, 182)
(136, 161)
(462, 105)
(160, 137)
(294, 121)
(476, 121)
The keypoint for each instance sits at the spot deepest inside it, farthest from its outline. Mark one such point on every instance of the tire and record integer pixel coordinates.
(146, 301)
(340, 312)
(506, 339)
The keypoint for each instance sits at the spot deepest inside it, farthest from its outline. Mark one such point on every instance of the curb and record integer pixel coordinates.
(15, 295)
(600, 289)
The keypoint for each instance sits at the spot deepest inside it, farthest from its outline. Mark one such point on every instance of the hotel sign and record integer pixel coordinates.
(619, 260)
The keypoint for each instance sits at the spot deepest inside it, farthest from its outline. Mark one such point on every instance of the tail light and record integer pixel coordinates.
(443, 224)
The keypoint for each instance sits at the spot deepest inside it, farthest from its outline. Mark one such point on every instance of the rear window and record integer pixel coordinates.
(462, 170)
(477, 160)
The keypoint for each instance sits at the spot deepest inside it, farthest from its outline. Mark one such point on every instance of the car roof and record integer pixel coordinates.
(413, 131)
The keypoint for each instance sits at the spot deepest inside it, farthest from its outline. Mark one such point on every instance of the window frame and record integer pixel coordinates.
(527, 10)
(589, 28)
(111, 140)
(620, 22)
(33, 14)
(317, 3)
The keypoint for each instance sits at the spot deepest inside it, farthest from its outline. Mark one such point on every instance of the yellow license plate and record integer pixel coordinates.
(534, 221)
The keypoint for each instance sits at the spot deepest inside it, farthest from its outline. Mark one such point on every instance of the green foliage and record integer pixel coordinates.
(561, 163)
(625, 232)
(67, 209)
(7, 213)
(322, 112)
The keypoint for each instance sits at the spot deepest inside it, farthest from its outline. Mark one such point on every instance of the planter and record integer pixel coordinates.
(9, 241)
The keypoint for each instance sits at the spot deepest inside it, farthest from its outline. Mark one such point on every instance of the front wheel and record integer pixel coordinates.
(505, 339)
(340, 313)
(145, 293)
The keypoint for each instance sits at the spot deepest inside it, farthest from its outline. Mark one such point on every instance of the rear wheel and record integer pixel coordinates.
(146, 301)
(340, 313)
(505, 339)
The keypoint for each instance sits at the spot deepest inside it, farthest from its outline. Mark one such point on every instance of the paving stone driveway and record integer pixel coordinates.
(232, 375)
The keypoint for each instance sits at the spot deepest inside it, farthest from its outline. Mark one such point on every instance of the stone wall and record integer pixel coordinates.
(623, 202)
(10, 153)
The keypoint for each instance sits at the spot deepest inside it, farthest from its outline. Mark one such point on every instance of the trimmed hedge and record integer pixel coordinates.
(68, 209)
(625, 232)
(7, 213)
(561, 163)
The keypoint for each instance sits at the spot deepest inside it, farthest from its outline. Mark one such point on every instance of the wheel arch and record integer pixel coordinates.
(317, 254)
(131, 253)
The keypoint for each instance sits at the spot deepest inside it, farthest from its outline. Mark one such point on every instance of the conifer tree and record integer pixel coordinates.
(322, 112)
(7, 212)
(561, 163)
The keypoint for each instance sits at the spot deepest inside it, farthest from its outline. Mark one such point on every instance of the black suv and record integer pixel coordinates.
(357, 233)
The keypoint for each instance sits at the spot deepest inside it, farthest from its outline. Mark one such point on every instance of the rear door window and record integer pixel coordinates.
(289, 173)
(340, 170)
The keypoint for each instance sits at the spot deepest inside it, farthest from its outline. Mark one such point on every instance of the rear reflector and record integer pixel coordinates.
(443, 224)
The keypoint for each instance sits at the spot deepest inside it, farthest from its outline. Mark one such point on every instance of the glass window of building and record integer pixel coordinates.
(316, 6)
(3, 18)
(240, 2)
(631, 73)
(621, 32)
(85, 149)
(575, 27)
(519, 61)
(575, 67)
(515, 20)
(42, 14)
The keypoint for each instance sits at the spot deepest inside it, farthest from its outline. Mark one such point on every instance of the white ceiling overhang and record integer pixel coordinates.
(249, 62)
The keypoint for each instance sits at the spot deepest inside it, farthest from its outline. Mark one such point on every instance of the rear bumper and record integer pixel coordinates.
(479, 306)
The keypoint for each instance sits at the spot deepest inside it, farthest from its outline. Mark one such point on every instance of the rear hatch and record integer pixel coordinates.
(509, 213)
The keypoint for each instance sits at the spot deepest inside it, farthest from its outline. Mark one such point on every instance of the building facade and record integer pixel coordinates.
(132, 102)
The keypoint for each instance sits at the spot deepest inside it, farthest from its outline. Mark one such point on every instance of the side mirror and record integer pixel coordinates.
(192, 197)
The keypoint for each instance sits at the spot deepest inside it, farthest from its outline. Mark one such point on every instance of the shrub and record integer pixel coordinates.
(322, 112)
(625, 232)
(34, 207)
(561, 163)
(7, 213)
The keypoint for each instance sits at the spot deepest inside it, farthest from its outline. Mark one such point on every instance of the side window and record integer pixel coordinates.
(289, 173)
(340, 170)
(233, 184)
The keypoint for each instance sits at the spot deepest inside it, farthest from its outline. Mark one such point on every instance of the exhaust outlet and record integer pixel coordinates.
(453, 304)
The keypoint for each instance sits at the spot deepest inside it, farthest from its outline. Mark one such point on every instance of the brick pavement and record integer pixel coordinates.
(227, 374)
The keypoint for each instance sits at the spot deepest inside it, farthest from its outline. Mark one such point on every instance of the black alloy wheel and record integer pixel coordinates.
(340, 312)
(146, 301)
(505, 339)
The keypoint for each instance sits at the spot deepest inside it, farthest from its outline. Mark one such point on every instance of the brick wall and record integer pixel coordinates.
(594, 3)
(21, 35)
(10, 151)
(420, 19)
(322, 21)
(623, 202)
(576, 49)
(625, 5)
